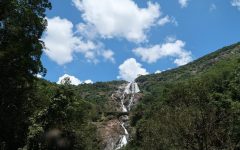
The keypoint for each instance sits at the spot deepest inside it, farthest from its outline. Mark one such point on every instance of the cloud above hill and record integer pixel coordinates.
(105, 19)
(130, 69)
(173, 49)
(73, 80)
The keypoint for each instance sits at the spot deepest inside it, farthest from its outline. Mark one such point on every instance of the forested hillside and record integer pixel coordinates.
(196, 106)
(192, 107)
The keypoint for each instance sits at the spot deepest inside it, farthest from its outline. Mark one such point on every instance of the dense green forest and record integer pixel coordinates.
(192, 107)
(196, 106)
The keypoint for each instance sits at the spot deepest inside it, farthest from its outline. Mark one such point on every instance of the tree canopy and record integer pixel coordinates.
(22, 26)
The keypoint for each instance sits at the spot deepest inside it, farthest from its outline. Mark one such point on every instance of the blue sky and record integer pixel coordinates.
(104, 40)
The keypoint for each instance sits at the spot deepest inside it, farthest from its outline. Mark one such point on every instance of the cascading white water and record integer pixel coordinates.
(127, 89)
(124, 138)
(132, 88)
(124, 109)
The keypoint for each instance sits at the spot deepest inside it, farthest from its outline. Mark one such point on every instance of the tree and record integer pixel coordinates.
(66, 81)
(22, 25)
(64, 124)
(201, 113)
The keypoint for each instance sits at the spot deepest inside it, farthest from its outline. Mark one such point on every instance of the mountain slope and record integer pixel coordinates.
(195, 106)
(228, 55)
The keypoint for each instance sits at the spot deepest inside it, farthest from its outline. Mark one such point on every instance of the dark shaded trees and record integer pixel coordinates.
(22, 25)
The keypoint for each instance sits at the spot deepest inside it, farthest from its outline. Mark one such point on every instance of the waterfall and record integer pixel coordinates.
(127, 89)
(124, 138)
(124, 108)
(130, 90)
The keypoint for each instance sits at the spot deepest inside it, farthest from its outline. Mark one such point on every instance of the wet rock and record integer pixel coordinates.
(114, 131)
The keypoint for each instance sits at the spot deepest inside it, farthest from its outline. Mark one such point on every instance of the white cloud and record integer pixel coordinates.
(183, 3)
(117, 18)
(130, 70)
(158, 71)
(169, 49)
(163, 21)
(88, 49)
(73, 80)
(62, 43)
(108, 55)
(236, 3)
(59, 40)
(86, 30)
(88, 82)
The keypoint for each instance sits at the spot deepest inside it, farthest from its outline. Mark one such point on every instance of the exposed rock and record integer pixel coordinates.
(109, 133)
(114, 132)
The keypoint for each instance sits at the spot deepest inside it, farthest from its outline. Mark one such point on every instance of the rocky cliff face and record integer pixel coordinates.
(115, 131)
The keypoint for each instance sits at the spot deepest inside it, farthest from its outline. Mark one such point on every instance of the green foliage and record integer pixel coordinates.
(71, 111)
(192, 107)
(196, 106)
(198, 112)
(98, 94)
(67, 116)
(22, 25)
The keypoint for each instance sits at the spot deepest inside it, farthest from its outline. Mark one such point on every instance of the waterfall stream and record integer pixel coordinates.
(130, 90)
